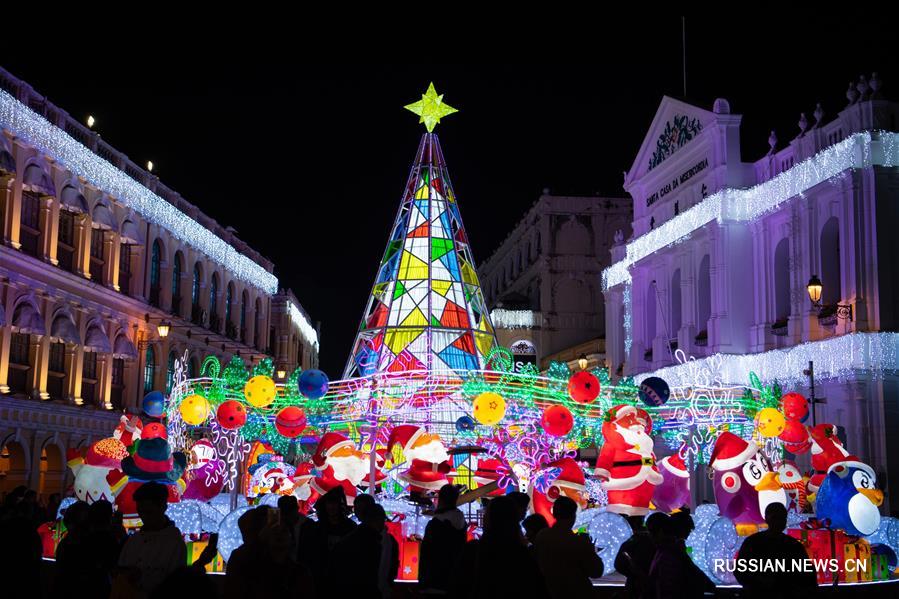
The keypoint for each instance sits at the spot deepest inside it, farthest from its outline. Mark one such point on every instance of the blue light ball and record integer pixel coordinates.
(312, 384)
(654, 391)
(465, 424)
(154, 404)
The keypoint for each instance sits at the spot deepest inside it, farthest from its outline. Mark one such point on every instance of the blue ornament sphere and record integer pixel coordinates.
(154, 404)
(654, 391)
(465, 424)
(312, 383)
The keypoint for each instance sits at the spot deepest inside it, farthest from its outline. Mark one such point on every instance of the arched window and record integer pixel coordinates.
(704, 295)
(782, 282)
(195, 288)
(257, 325)
(170, 372)
(675, 304)
(155, 271)
(214, 294)
(149, 369)
(176, 283)
(229, 301)
(244, 299)
(831, 275)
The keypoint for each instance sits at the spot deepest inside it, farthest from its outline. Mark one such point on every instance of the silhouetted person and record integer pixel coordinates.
(292, 521)
(279, 575)
(443, 542)
(157, 550)
(370, 553)
(567, 560)
(635, 557)
(672, 573)
(319, 537)
(532, 525)
(773, 544)
(186, 583)
(503, 564)
(244, 562)
(682, 523)
(362, 502)
(20, 545)
(521, 501)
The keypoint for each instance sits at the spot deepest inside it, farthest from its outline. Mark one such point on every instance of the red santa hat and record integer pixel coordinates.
(406, 435)
(571, 475)
(330, 442)
(730, 451)
(851, 461)
(675, 465)
(825, 435)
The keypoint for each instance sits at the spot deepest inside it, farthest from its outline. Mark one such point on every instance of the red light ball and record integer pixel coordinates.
(557, 421)
(795, 407)
(583, 387)
(154, 430)
(231, 414)
(290, 422)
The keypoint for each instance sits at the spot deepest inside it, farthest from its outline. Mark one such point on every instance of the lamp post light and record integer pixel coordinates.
(281, 374)
(583, 362)
(815, 288)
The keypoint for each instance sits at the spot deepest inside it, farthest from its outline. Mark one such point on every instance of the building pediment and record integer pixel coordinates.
(675, 125)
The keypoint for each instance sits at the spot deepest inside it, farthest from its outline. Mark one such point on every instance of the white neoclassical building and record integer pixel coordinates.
(723, 251)
(95, 254)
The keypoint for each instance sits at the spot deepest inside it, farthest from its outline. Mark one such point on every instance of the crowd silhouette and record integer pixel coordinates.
(348, 551)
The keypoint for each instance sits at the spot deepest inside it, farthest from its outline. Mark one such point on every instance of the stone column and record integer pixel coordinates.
(49, 221)
(39, 356)
(112, 242)
(5, 337)
(74, 368)
(13, 213)
(6, 205)
(83, 245)
(104, 381)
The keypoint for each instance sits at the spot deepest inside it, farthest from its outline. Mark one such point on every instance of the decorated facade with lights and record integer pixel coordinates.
(106, 278)
(725, 258)
(542, 281)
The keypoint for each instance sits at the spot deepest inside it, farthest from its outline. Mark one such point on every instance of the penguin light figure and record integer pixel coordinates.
(848, 498)
(745, 484)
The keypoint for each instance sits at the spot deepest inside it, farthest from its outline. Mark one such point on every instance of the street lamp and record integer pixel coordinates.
(281, 373)
(582, 362)
(815, 287)
(163, 329)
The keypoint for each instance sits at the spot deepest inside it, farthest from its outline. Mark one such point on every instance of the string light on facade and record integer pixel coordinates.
(836, 358)
(514, 319)
(306, 329)
(53, 141)
(860, 150)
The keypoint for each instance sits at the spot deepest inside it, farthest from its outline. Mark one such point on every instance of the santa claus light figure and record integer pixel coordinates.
(569, 482)
(427, 456)
(627, 465)
(341, 465)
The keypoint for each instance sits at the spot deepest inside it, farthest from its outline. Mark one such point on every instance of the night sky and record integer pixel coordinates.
(308, 161)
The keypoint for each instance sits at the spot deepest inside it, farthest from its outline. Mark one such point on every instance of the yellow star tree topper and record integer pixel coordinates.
(431, 108)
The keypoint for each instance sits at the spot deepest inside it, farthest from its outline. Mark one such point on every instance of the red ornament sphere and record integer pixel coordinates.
(231, 414)
(795, 407)
(795, 437)
(557, 421)
(583, 387)
(154, 430)
(290, 422)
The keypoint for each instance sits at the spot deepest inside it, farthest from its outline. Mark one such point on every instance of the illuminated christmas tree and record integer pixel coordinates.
(426, 310)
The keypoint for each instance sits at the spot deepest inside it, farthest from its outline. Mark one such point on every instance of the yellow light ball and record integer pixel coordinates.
(260, 391)
(194, 409)
(770, 422)
(489, 408)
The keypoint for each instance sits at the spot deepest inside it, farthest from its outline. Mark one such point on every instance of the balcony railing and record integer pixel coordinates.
(780, 328)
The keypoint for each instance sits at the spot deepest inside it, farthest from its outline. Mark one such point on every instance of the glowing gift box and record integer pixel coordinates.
(857, 563)
(822, 544)
(195, 548)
